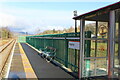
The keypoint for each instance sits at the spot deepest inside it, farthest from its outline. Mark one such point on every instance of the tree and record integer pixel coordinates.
(90, 27)
(5, 33)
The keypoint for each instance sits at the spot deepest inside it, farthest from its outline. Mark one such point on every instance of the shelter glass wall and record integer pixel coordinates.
(103, 48)
(117, 45)
(103, 56)
(95, 60)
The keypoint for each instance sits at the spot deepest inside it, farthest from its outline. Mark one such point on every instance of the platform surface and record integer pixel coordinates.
(16, 69)
(26, 63)
(42, 68)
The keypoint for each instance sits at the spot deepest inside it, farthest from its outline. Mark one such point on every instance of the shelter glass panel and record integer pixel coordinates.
(95, 64)
(117, 45)
(88, 68)
(101, 48)
(90, 26)
(102, 30)
(92, 51)
(95, 49)
(117, 40)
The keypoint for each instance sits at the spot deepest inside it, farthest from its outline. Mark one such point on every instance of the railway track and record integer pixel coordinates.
(4, 46)
(5, 53)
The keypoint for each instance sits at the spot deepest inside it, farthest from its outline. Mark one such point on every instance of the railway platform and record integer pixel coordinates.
(26, 63)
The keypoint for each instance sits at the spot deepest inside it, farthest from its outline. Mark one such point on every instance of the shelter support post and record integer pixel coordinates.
(119, 44)
(111, 43)
(87, 53)
(75, 26)
(81, 56)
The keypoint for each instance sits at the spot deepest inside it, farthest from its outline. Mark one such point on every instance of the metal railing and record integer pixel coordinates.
(64, 55)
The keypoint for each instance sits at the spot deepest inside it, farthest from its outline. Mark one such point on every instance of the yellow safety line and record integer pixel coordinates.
(29, 72)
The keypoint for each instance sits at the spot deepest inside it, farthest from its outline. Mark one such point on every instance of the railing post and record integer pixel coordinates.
(87, 52)
(75, 26)
(66, 52)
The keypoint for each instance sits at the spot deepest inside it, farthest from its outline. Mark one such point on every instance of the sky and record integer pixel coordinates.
(33, 16)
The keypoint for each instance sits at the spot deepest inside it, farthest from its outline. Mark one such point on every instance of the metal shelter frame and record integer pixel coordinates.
(106, 14)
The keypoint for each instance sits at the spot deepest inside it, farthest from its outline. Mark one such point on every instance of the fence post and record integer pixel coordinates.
(66, 52)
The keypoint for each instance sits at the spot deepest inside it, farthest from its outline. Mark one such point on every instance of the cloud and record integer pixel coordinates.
(29, 20)
(32, 19)
(7, 20)
(52, 27)
(25, 24)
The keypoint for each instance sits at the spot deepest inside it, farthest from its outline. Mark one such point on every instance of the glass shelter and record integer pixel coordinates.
(103, 57)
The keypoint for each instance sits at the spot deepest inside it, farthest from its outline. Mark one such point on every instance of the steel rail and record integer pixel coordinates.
(8, 48)
(5, 45)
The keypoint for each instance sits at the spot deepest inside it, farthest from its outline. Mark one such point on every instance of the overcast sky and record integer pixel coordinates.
(24, 16)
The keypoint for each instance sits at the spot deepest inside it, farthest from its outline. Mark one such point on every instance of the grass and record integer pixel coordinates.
(101, 49)
(100, 63)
